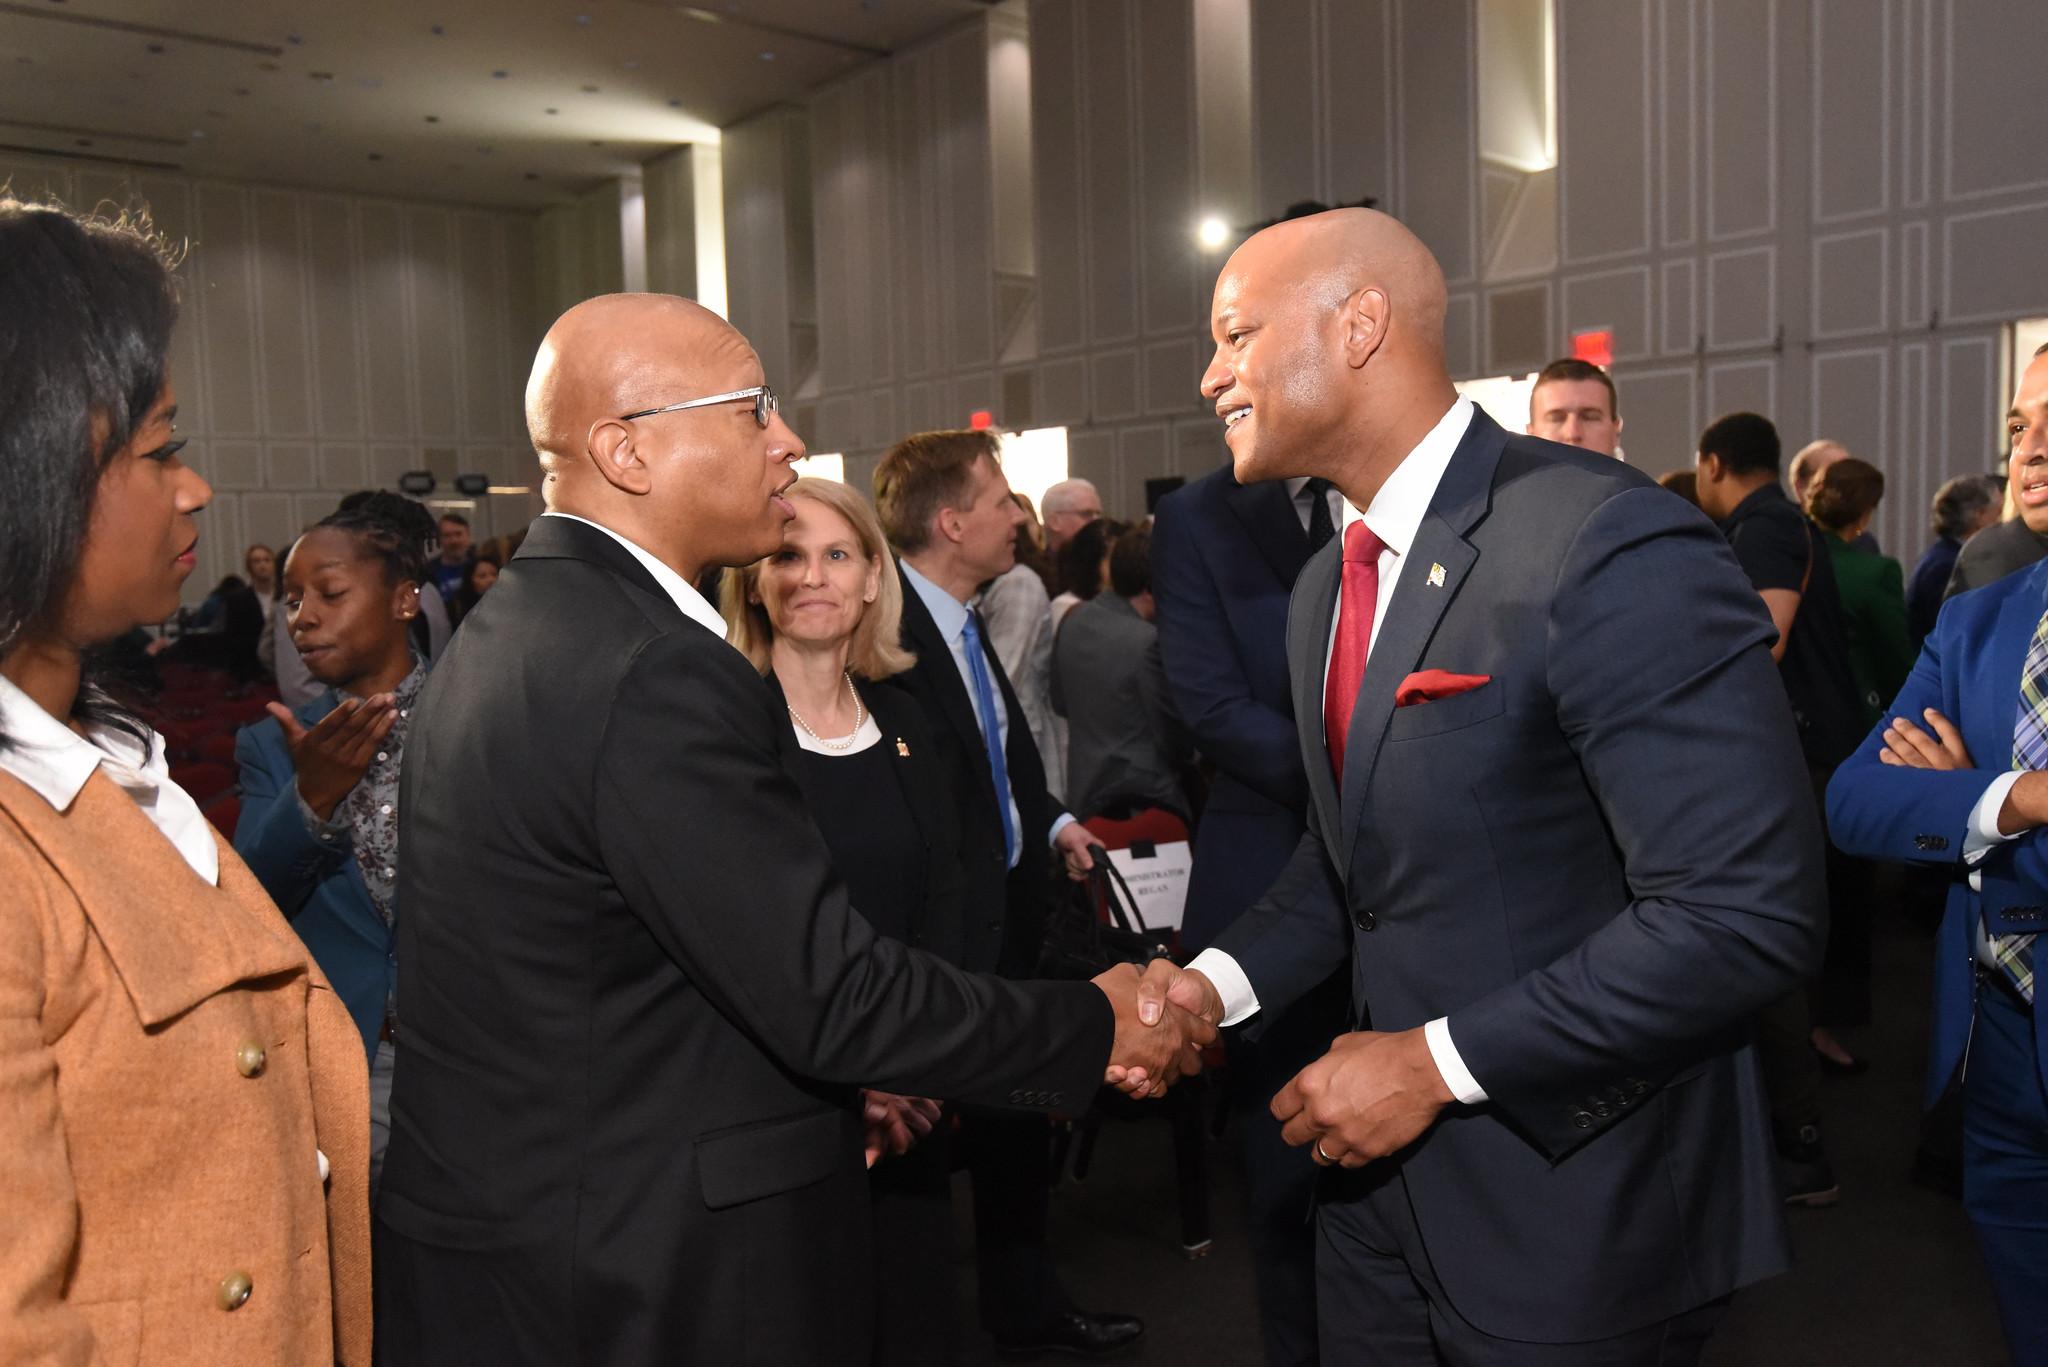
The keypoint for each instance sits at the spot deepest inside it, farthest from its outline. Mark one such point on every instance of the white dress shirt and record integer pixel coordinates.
(691, 603)
(949, 614)
(56, 761)
(1395, 517)
(1979, 840)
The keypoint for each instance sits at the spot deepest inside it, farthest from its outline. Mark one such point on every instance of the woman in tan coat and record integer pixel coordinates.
(184, 1111)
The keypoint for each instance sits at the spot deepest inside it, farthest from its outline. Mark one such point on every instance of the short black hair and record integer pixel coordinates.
(1572, 369)
(391, 528)
(457, 518)
(87, 305)
(1745, 443)
(1130, 563)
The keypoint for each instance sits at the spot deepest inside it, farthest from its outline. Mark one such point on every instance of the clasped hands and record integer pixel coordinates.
(1371, 1095)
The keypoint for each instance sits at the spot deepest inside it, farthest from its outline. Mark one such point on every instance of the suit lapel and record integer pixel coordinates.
(935, 662)
(1309, 618)
(2003, 664)
(1418, 605)
(1268, 514)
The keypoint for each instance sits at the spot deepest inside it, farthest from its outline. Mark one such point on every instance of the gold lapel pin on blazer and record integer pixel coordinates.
(901, 748)
(1436, 576)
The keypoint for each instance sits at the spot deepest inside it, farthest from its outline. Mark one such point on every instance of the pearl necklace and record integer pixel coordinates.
(860, 719)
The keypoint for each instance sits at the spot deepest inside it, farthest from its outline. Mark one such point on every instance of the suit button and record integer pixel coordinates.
(1583, 1119)
(249, 1058)
(1019, 1098)
(1364, 920)
(1055, 1098)
(234, 1290)
(1638, 1087)
(1602, 1109)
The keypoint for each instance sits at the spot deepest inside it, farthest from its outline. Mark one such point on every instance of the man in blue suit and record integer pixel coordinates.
(1224, 558)
(1958, 775)
(1525, 681)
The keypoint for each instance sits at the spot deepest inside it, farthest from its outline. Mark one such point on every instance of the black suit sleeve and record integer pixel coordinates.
(1665, 690)
(710, 845)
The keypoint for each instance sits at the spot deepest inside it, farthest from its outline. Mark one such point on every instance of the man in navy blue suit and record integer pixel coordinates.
(1224, 558)
(1525, 681)
(1959, 775)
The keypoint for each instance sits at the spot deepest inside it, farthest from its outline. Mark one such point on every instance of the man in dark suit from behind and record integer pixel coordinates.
(947, 510)
(635, 1000)
(1224, 558)
(1963, 507)
(1525, 681)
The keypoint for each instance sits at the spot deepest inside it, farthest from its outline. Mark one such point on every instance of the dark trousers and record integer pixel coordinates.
(1381, 1305)
(1280, 1181)
(2005, 1168)
(915, 1317)
(1010, 1163)
(1841, 991)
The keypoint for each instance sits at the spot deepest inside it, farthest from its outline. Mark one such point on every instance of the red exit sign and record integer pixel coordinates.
(1595, 345)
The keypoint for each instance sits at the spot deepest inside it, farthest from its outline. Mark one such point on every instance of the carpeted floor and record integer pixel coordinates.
(1888, 1278)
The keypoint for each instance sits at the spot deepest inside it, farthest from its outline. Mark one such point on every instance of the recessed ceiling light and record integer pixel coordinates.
(433, 118)
(322, 76)
(499, 75)
(631, 64)
(554, 111)
(767, 56)
(84, 142)
(583, 19)
(675, 104)
(370, 82)
(199, 135)
(533, 175)
(376, 156)
(438, 31)
(295, 40)
(268, 66)
(241, 90)
(702, 16)
(590, 90)
(595, 143)
(153, 49)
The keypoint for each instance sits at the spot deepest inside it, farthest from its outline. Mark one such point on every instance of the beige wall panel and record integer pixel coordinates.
(1173, 375)
(1660, 418)
(1461, 335)
(1287, 115)
(1063, 391)
(228, 464)
(1848, 404)
(1056, 173)
(1617, 299)
(1091, 455)
(1678, 56)
(1992, 265)
(29, 179)
(1737, 386)
(435, 303)
(882, 426)
(1742, 297)
(1111, 175)
(1604, 127)
(1680, 334)
(344, 468)
(291, 466)
(387, 463)
(1356, 85)
(1916, 292)
(956, 139)
(1916, 468)
(1740, 101)
(913, 185)
(1850, 271)
(669, 184)
(1114, 383)
(1917, 139)
(1855, 91)
(1994, 50)
(286, 359)
(382, 261)
(308, 509)
(921, 408)
(968, 395)
(486, 397)
(227, 310)
(1144, 452)
(1198, 447)
(333, 283)
(270, 519)
(839, 423)
(1520, 335)
(1437, 194)
(1167, 255)
(1971, 406)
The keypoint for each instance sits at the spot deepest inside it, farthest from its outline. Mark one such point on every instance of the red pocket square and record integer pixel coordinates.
(1434, 685)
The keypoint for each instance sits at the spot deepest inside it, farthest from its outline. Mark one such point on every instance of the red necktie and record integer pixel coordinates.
(1361, 595)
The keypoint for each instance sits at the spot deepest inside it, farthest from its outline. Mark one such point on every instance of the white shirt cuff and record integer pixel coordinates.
(1983, 833)
(1457, 1077)
(1059, 823)
(1239, 1001)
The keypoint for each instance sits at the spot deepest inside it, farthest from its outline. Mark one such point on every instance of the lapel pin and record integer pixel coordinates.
(1436, 576)
(901, 748)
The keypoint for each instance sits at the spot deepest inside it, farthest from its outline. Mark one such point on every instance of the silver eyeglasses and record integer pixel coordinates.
(765, 404)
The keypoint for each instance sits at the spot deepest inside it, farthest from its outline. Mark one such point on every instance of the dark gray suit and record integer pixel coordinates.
(1124, 744)
(1598, 865)
(1994, 553)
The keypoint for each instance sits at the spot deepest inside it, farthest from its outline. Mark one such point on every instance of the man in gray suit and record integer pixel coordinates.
(1124, 745)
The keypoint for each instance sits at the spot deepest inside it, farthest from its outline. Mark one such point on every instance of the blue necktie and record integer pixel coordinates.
(991, 732)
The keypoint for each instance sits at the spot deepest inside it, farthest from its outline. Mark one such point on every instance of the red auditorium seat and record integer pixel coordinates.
(224, 811)
(204, 779)
(219, 748)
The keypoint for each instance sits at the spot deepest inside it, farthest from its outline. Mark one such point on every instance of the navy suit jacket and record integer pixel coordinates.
(1224, 558)
(1969, 670)
(315, 884)
(1598, 865)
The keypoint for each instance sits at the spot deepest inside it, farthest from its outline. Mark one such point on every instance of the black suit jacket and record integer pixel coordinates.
(636, 1002)
(1993, 553)
(1598, 865)
(1007, 907)
(1224, 559)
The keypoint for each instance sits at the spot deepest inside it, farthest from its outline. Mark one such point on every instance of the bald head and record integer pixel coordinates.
(1329, 345)
(615, 354)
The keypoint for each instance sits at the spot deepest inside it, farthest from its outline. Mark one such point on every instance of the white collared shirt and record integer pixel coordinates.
(1395, 517)
(949, 614)
(691, 603)
(56, 762)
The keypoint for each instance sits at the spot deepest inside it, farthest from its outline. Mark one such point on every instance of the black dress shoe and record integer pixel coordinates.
(1076, 1332)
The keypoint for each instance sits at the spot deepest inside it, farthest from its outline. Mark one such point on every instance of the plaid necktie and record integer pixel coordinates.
(2014, 954)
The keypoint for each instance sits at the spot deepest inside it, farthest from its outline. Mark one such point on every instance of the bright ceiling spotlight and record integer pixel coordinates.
(1212, 233)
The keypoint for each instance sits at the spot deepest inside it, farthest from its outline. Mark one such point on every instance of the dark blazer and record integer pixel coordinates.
(1925, 585)
(1124, 744)
(317, 885)
(1969, 670)
(1993, 553)
(1598, 865)
(1007, 907)
(1224, 558)
(636, 1003)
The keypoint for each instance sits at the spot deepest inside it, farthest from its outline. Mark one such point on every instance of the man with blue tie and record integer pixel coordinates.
(1914, 792)
(947, 510)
